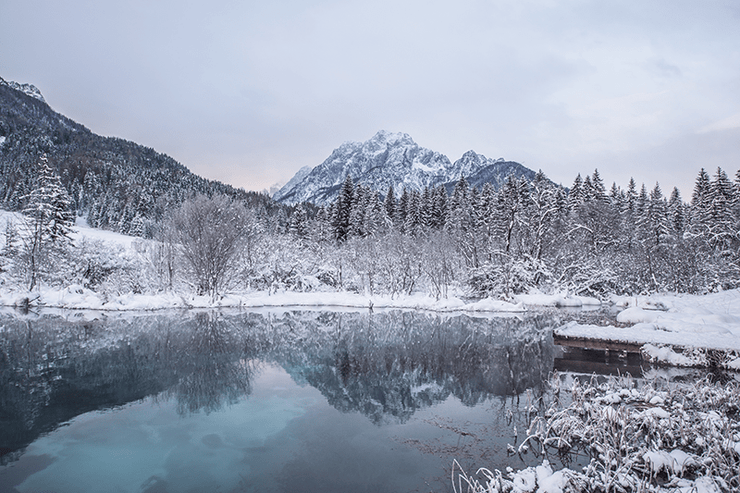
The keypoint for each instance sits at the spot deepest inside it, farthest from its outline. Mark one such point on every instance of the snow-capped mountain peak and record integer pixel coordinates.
(387, 159)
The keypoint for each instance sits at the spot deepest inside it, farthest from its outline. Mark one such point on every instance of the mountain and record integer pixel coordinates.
(28, 89)
(393, 159)
(479, 170)
(119, 184)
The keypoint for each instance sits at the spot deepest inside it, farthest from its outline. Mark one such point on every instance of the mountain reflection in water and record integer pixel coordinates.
(385, 365)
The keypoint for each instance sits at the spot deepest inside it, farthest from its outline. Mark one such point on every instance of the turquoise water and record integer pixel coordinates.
(292, 401)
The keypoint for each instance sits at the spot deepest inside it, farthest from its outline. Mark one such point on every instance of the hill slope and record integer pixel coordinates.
(121, 185)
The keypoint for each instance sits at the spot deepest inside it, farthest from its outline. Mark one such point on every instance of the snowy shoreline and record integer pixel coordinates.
(79, 298)
(680, 330)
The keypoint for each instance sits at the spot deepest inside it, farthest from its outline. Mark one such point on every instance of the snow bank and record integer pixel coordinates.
(684, 330)
(557, 300)
(79, 298)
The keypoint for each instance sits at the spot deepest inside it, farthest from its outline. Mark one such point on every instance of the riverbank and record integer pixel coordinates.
(677, 329)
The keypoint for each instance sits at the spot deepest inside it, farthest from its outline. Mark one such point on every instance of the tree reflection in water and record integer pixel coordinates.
(386, 365)
(214, 374)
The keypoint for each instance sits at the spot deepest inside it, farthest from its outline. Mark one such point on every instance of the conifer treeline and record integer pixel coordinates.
(586, 239)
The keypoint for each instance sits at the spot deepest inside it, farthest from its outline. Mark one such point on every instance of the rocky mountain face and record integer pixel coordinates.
(119, 184)
(393, 159)
(28, 89)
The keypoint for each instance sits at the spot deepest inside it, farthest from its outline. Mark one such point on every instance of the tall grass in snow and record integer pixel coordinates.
(657, 437)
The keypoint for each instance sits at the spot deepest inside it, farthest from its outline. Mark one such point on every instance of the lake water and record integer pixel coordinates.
(293, 401)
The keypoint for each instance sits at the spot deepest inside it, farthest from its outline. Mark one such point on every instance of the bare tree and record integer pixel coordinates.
(211, 235)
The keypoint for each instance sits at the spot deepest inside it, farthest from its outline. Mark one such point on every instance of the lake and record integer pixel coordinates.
(273, 401)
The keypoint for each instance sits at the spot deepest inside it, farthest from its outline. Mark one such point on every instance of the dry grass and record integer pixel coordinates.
(655, 437)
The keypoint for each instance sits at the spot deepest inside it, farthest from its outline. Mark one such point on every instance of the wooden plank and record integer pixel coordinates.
(586, 343)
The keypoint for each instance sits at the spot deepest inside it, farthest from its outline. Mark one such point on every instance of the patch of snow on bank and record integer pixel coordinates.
(556, 300)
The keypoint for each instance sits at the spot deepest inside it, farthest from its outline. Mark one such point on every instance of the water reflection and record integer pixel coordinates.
(386, 366)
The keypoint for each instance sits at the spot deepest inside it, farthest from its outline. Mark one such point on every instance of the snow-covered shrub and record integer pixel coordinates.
(93, 263)
(159, 261)
(659, 437)
(507, 277)
(106, 268)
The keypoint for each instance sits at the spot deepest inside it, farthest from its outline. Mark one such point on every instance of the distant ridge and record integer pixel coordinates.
(393, 159)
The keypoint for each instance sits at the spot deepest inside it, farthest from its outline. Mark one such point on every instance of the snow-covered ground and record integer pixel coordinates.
(684, 330)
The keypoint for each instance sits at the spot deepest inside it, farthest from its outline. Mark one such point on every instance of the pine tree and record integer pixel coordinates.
(357, 212)
(298, 225)
(439, 207)
(576, 194)
(343, 210)
(676, 213)
(374, 214)
(589, 194)
(631, 202)
(700, 202)
(598, 188)
(721, 221)
(401, 210)
(657, 218)
(390, 203)
(48, 220)
(413, 224)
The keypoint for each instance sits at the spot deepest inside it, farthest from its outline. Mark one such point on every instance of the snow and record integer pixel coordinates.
(82, 230)
(560, 300)
(659, 437)
(666, 326)
(675, 461)
(2, 140)
(77, 297)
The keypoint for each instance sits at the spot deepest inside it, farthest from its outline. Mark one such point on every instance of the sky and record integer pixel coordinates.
(248, 92)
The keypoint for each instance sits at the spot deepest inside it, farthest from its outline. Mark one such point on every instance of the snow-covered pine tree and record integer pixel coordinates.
(374, 217)
(676, 213)
(700, 202)
(597, 187)
(657, 217)
(48, 221)
(721, 231)
(425, 208)
(439, 207)
(356, 225)
(576, 194)
(298, 225)
(401, 210)
(413, 225)
(343, 209)
(589, 194)
(390, 203)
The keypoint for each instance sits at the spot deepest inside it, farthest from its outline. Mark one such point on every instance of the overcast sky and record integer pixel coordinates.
(248, 92)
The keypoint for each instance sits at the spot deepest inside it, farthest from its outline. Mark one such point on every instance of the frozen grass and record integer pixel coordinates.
(658, 437)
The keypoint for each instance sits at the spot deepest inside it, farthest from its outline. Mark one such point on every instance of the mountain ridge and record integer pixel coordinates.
(121, 185)
(393, 159)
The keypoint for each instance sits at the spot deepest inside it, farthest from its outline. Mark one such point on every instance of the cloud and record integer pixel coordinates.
(731, 122)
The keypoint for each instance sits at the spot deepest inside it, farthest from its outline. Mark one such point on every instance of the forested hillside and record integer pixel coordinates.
(120, 185)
